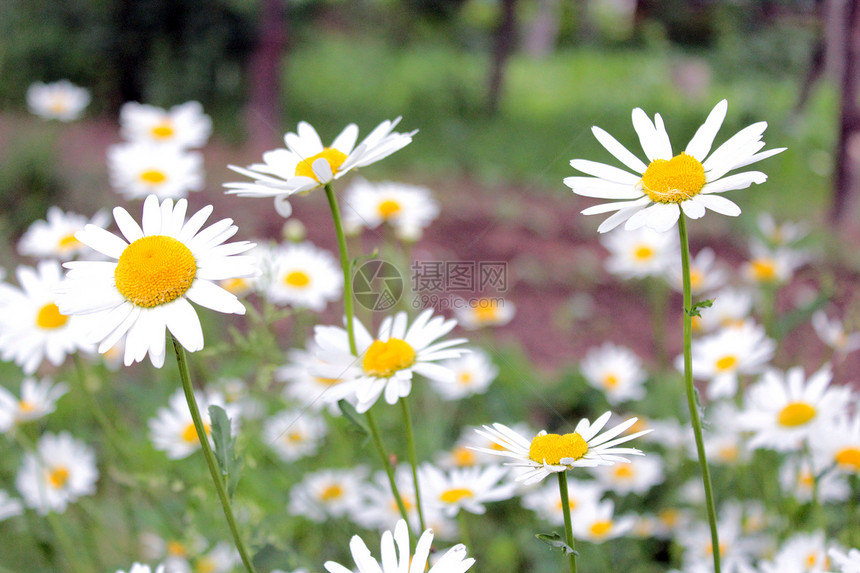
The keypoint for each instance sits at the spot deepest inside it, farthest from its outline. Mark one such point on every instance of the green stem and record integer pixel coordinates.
(345, 265)
(413, 458)
(695, 421)
(465, 538)
(210, 457)
(108, 430)
(65, 542)
(568, 525)
(380, 447)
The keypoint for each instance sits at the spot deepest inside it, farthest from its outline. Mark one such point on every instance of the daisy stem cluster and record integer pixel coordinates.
(345, 264)
(568, 525)
(695, 420)
(389, 471)
(210, 457)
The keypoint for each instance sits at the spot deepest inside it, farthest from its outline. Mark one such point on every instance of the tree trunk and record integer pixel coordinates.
(263, 117)
(504, 45)
(845, 179)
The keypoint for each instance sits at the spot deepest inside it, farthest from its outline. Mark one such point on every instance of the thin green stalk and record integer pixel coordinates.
(568, 525)
(210, 457)
(465, 538)
(345, 265)
(695, 421)
(65, 543)
(108, 430)
(413, 458)
(380, 447)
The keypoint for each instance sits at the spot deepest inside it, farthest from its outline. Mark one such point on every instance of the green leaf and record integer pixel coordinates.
(228, 462)
(350, 414)
(556, 543)
(696, 310)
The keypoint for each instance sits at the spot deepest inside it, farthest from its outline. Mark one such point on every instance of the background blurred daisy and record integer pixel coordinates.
(641, 253)
(62, 100)
(638, 476)
(655, 194)
(303, 276)
(464, 488)
(597, 522)
(473, 371)
(185, 125)
(836, 442)
(706, 274)
(172, 429)
(55, 237)
(303, 387)
(473, 314)
(166, 171)
(61, 470)
(164, 265)
(293, 434)
(833, 334)
(38, 398)
(545, 501)
(324, 494)
(616, 371)
(407, 208)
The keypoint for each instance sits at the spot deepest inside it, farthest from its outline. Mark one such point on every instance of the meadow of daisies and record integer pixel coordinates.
(351, 425)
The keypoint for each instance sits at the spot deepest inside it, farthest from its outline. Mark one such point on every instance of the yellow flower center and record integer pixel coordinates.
(176, 548)
(624, 471)
(26, 407)
(298, 279)
(849, 457)
(163, 130)
(601, 528)
(154, 270)
(456, 494)
(383, 359)
(326, 381)
(669, 517)
(68, 243)
(643, 253)
(49, 317)
(728, 453)
(485, 312)
(464, 457)
(571, 503)
(389, 208)
(673, 181)
(294, 437)
(331, 492)
(59, 104)
(153, 177)
(726, 363)
(335, 158)
(552, 448)
(763, 270)
(189, 435)
(696, 278)
(610, 381)
(796, 414)
(723, 549)
(235, 286)
(58, 477)
(465, 378)
(204, 565)
(806, 479)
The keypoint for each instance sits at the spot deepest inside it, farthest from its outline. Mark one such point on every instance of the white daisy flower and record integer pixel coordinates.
(388, 361)
(38, 398)
(772, 266)
(141, 568)
(55, 237)
(706, 274)
(833, 334)
(464, 452)
(164, 265)
(463, 488)
(478, 313)
(642, 253)
(783, 409)
(407, 208)
(378, 507)
(303, 276)
(801, 481)
(327, 493)
(725, 443)
(32, 327)
(314, 392)
(656, 194)
(294, 434)
(800, 553)
(62, 100)
(736, 549)
(223, 558)
(837, 442)
(847, 562)
(731, 309)
(306, 164)
(9, 506)
(474, 372)
(636, 477)
(172, 429)
(552, 453)
(720, 358)
(782, 234)
(242, 286)
(166, 171)
(546, 503)
(400, 559)
(616, 371)
(60, 471)
(597, 522)
(185, 125)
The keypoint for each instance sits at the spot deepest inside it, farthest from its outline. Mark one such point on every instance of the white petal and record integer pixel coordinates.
(604, 171)
(607, 207)
(734, 182)
(618, 218)
(620, 152)
(653, 143)
(601, 188)
(127, 225)
(212, 296)
(322, 169)
(719, 204)
(101, 240)
(151, 216)
(660, 217)
(700, 145)
(183, 323)
(693, 209)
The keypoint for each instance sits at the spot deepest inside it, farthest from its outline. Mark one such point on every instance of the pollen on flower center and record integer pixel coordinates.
(552, 448)
(190, 433)
(674, 180)
(464, 378)
(58, 476)
(601, 528)
(610, 381)
(26, 407)
(163, 130)
(68, 242)
(763, 269)
(643, 253)
(335, 158)
(456, 494)
(297, 279)
(624, 471)
(796, 414)
(726, 363)
(155, 270)
(49, 317)
(153, 177)
(464, 457)
(383, 359)
(389, 208)
(331, 492)
(850, 457)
